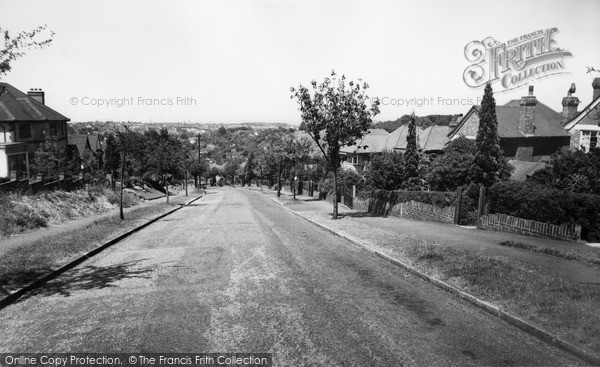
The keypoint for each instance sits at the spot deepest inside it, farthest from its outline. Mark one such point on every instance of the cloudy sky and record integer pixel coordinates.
(234, 61)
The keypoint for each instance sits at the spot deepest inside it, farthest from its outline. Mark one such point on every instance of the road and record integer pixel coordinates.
(235, 272)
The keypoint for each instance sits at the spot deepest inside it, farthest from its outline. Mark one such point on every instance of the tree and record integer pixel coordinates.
(573, 171)
(230, 171)
(412, 180)
(302, 126)
(112, 159)
(249, 170)
(15, 47)
(385, 171)
(336, 114)
(489, 162)
(450, 170)
(163, 157)
(51, 159)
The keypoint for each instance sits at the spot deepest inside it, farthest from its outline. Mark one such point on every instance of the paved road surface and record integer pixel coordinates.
(235, 272)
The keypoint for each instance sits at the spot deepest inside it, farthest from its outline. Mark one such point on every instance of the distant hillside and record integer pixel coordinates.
(423, 122)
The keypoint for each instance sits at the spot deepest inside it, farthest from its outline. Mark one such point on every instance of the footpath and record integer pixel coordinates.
(383, 233)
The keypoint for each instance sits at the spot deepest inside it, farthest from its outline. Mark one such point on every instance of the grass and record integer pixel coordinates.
(586, 255)
(22, 265)
(20, 213)
(567, 308)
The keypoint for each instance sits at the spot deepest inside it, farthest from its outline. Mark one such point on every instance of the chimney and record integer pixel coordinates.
(527, 115)
(37, 94)
(570, 104)
(596, 86)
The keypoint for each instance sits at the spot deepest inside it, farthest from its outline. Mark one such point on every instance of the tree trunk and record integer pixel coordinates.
(335, 203)
(186, 183)
(122, 179)
(294, 182)
(279, 181)
(167, 190)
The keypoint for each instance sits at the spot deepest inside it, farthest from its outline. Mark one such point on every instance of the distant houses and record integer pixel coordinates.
(25, 122)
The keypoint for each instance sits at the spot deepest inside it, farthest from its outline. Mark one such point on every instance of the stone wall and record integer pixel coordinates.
(507, 223)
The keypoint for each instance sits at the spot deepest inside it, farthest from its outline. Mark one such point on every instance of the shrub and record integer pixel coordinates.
(541, 203)
(383, 200)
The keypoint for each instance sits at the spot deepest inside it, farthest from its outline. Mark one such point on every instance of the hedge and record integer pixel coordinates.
(533, 201)
(437, 198)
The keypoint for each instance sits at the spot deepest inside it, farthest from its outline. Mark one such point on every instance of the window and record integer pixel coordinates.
(53, 128)
(24, 130)
(16, 162)
(355, 159)
(589, 140)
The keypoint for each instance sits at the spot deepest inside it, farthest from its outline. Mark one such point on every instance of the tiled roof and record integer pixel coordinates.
(80, 141)
(433, 138)
(547, 121)
(18, 106)
(372, 142)
(397, 139)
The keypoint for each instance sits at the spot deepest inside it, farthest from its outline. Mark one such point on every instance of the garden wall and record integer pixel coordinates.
(508, 223)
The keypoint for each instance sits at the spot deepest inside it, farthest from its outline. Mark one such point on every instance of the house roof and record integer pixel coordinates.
(547, 121)
(433, 138)
(372, 142)
(80, 141)
(397, 139)
(18, 106)
(95, 143)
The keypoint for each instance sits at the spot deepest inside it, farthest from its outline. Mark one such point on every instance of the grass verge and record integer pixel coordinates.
(588, 256)
(22, 265)
(561, 306)
(20, 212)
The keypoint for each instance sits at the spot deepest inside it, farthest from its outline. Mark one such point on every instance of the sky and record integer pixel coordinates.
(235, 61)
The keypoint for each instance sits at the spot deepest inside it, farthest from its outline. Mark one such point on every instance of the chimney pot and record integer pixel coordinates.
(531, 90)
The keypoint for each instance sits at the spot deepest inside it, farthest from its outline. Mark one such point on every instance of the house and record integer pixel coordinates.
(81, 143)
(528, 130)
(584, 126)
(25, 122)
(373, 142)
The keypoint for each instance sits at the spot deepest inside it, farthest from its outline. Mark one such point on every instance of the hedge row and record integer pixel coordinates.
(532, 201)
(437, 198)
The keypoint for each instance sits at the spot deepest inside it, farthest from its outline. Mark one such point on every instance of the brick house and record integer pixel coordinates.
(528, 130)
(584, 126)
(25, 121)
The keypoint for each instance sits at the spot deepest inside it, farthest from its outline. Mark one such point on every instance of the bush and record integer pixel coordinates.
(541, 203)
(381, 198)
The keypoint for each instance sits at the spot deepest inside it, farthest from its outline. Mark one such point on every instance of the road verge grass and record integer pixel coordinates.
(588, 256)
(24, 264)
(566, 308)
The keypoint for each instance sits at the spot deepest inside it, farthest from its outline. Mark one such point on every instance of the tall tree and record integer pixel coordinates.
(15, 46)
(51, 159)
(163, 157)
(411, 156)
(489, 161)
(336, 114)
(112, 160)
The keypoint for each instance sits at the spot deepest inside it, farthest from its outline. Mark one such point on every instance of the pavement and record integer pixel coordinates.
(384, 232)
(236, 272)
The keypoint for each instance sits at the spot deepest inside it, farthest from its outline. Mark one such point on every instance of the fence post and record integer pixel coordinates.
(457, 205)
(481, 203)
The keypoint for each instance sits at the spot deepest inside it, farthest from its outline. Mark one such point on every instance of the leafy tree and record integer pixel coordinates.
(230, 171)
(489, 162)
(249, 170)
(112, 160)
(573, 171)
(336, 114)
(385, 171)
(412, 180)
(51, 159)
(450, 170)
(163, 157)
(302, 126)
(15, 47)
